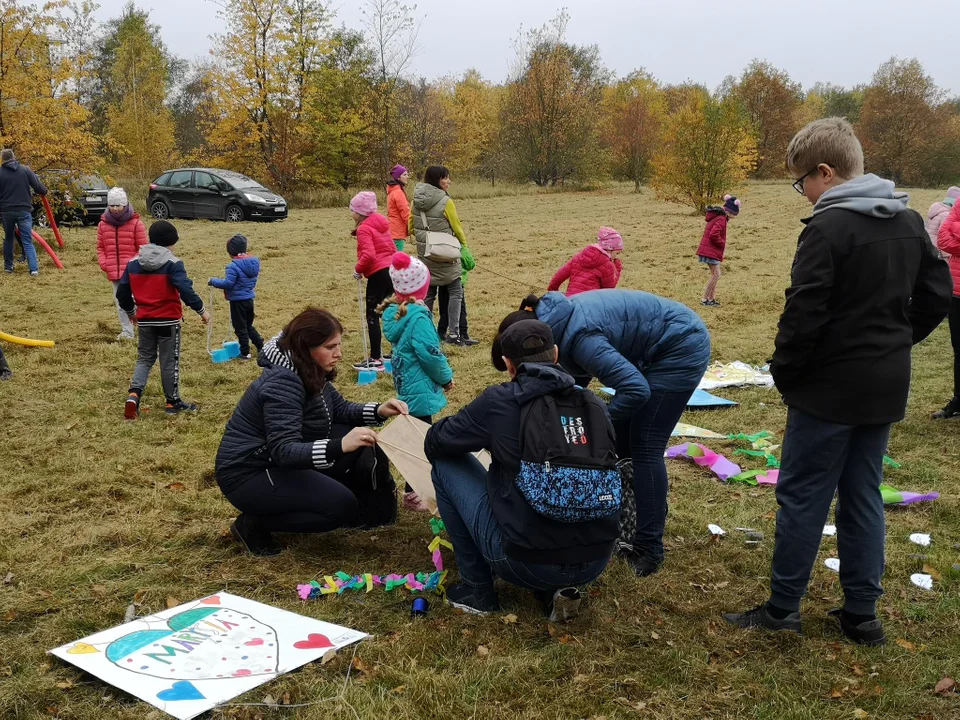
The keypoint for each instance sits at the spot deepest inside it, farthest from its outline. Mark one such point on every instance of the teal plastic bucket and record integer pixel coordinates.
(366, 377)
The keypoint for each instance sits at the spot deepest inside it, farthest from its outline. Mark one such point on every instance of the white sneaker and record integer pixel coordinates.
(125, 336)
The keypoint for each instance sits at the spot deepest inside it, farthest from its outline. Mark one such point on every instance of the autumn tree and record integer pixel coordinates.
(194, 110)
(900, 118)
(40, 113)
(708, 148)
(838, 101)
(136, 75)
(473, 108)
(771, 102)
(551, 114)
(430, 127)
(634, 111)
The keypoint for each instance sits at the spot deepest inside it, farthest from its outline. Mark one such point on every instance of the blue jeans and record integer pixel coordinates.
(644, 438)
(461, 485)
(821, 459)
(24, 220)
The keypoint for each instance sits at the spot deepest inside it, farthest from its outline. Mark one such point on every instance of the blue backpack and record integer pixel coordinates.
(568, 461)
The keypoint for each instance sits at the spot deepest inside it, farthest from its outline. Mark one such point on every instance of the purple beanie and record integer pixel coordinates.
(397, 171)
(731, 204)
(364, 203)
(609, 239)
(953, 193)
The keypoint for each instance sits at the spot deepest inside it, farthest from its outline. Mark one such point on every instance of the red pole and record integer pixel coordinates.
(53, 223)
(50, 252)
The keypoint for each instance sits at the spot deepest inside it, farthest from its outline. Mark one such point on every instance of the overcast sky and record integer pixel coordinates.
(839, 41)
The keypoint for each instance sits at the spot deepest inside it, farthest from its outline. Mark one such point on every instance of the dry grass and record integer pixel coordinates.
(89, 515)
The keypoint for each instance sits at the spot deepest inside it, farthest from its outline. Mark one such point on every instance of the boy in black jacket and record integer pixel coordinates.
(493, 528)
(866, 286)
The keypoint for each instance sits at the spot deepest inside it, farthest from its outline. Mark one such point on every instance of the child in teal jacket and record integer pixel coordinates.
(421, 372)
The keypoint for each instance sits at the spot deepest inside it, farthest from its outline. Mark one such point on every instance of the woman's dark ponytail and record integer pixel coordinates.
(530, 302)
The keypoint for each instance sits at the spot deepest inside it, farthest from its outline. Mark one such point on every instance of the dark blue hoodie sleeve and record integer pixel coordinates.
(124, 294)
(38, 187)
(594, 353)
(178, 276)
(465, 432)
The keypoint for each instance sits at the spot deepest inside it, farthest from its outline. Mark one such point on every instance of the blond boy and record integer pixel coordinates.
(865, 287)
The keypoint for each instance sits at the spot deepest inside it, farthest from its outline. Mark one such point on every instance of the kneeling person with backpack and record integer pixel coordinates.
(545, 515)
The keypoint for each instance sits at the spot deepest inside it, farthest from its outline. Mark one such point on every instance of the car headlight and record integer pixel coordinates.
(252, 197)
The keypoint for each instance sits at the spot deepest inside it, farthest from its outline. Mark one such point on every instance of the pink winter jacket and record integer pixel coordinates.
(375, 246)
(948, 240)
(589, 269)
(117, 246)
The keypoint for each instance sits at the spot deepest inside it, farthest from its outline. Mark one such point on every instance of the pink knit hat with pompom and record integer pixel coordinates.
(410, 277)
(609, 239)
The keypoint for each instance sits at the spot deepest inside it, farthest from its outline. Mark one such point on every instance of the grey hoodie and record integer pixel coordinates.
(867, 195)
(152, 257)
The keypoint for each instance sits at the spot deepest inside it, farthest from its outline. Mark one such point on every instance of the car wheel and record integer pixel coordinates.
(159, 210)
(235, 213)
(40, 220)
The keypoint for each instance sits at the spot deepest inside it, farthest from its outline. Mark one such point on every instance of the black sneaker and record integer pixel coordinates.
(643, 564)
(760, 617)
(468, 341)
(369, 364)
(453, 340)
(257, 542)
(473, 600)
(5, 373)
(866, 633)
(562, 605)
(180, 406)
(949, 411)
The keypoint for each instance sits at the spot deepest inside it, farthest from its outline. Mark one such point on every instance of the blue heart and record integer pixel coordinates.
(182, 690)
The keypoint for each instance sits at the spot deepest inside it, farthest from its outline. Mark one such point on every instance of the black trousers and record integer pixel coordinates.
(954, 319)
(241, 315)
(357, 491)
(444, 299)
(379, 288)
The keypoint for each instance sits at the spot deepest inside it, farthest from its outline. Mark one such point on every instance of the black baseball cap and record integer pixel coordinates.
(522, 339)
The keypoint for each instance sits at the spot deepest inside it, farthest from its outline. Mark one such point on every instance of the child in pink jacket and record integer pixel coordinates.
(714, 242)
(595, 267)
(375, 249)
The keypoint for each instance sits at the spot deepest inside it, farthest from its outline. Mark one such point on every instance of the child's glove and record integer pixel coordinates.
(357, 276)
(210, 282)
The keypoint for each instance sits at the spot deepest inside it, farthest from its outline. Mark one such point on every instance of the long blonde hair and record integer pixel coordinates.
(394, 300)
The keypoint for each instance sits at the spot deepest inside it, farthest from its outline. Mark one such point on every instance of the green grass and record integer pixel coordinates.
(90, 514)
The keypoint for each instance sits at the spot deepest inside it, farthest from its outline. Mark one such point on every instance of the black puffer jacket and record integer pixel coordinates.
(277, 424)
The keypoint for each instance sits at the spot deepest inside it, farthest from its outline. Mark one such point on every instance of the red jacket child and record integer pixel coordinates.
(375, 247)
(119, 239)
(593, 268)
(948, 240)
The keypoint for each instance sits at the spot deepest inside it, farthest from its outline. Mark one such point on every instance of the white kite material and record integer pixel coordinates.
(402, 441)
(716, 530)
(922, 580)
(829, 530)
(734, 374)
(194, 657)
(922, 539)
(833, 564)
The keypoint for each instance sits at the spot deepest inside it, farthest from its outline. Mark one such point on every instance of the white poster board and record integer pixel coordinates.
(191, 658)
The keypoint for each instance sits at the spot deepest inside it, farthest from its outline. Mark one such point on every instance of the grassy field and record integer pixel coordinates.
(94, 510)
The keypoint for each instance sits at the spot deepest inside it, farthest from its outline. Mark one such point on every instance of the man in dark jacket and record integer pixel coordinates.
(493, 528)
(866, 286)
(16, 208)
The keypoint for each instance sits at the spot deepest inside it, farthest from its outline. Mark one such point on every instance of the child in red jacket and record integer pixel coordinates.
(595, 267)
(714, 242)
(375, 249)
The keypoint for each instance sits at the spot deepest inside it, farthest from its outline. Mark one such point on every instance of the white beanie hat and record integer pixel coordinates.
(410, 277)
(117, 196)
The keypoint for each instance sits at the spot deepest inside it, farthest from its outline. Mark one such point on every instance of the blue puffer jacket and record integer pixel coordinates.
(419, 366)
(241, 278)
(630, 340)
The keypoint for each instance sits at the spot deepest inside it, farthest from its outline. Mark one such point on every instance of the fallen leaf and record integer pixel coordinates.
(270, 701)
(138, 597)
(328, 656)
(10, 615)
(906, 644)
(552, 629)
(564, 639)
(932, 572)
(655, 636)
(510, 619)
(857, 670)
(99, 589)
(399, 690)
(53, 710)
(860, 713)
(286, 699)
(483, 650)
(580, 679)
(172, 602)
(360, 666)
(43, 667)
(945, 686)
(8, 579)
(65, 685)
(836, 694)
(176, 486)
(130, 614)
(6, 671)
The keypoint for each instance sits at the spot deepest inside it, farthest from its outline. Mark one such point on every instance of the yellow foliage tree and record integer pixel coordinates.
(634, 112)
(707, 150)
(139, 123)
(473, 109)
(40, 116)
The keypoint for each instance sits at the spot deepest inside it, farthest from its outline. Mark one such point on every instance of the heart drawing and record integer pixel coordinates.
(314, 641)
(205, 643)
(182, 690)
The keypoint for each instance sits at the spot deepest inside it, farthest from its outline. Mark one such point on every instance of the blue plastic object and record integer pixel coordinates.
(229, 351)
(388, 366)
(700, 398)
(366, 377)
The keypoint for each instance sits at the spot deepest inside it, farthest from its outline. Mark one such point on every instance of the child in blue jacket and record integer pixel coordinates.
(421, 372)
(238, 287)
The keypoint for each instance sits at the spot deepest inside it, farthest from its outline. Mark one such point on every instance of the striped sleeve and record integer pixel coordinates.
(319, 455)
(370, 416)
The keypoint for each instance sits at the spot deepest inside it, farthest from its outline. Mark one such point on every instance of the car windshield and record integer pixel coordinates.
(242, 182)
(92, 182)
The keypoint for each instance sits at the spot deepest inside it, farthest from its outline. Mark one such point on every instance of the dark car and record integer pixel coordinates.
(74, 199)
(211, 193)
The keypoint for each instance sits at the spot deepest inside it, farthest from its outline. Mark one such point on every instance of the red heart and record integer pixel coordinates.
(212, 600)
(314, 640)
(242, 673)
(256, 641)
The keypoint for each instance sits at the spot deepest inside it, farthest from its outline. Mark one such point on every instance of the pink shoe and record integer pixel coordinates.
(412, 502)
